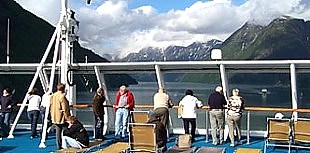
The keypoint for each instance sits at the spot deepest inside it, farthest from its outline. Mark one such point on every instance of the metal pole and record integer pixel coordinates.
(33, 82)
(293, 90)
(225, 89)
(102, 84)
(52, 77)
(207, 125)
(159, 76)
(8, 43)
(248, 128)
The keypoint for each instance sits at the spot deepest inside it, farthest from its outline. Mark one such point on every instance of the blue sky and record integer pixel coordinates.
(119, 27)
(166, 5)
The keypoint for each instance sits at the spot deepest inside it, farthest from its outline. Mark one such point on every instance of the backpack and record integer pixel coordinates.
(184, 141)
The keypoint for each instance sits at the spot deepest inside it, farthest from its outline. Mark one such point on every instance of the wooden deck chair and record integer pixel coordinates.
(248, 150)
(301, 133)
(278, 133)
(142, 138)
(211, 150)
(119, 147)
(139, 116)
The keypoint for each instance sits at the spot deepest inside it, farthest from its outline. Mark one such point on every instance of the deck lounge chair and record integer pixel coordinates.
(119, 147)
(248, 150)
(142, 138)
(139, 116)
(211, 150)
(278, 133)
(301, 133)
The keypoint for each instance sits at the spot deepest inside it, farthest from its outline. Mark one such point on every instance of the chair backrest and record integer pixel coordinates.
(278, 129)
(301, 130)
(142, 137)
(139, 116)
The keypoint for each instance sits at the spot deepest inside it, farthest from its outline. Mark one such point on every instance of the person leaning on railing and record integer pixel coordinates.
(235, 107)
(98, 108)
(124, 103)
(189, 103)
(161, 104)
(217, 104)
(33, 110)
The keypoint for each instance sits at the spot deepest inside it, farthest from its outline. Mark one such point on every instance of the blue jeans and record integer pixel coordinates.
(5, 123)
(98, 127)
(70, 142)
(121, 120)
(33, 116)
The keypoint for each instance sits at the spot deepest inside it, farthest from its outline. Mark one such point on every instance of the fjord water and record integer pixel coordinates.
(276, 96)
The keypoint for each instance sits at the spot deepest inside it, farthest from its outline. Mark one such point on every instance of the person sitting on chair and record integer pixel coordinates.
(75, 135)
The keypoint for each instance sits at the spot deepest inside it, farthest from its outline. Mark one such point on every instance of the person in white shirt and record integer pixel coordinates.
(189, 103)
(33, 110)
(45, 103)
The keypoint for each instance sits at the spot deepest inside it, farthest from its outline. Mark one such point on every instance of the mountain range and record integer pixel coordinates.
(284, 38)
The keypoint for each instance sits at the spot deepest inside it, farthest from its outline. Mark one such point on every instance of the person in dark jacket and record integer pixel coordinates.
(217, 102)
(75, 135)
(7, 102)
(160, 130)
(98, 108)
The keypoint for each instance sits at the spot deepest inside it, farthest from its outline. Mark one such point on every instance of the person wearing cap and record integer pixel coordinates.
(124, 104)
(217, 104)
(235, 107)
(98, 109)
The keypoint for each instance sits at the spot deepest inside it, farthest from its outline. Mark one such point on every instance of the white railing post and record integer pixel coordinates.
(36, 75)
(293, 90)
(50, 88)
(102, 84)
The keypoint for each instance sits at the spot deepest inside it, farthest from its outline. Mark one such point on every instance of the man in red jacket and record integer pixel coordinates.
(125, 102)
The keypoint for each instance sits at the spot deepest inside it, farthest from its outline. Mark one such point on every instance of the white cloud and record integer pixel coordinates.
(46, 9)
(112, 27)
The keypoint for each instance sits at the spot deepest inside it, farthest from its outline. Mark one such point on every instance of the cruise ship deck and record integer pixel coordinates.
(23, 143)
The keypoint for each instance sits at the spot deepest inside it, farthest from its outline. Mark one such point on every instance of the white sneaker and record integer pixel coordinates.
(232, 144)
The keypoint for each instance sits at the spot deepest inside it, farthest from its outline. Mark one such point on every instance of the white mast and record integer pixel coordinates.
(8, 43)
(64, 36)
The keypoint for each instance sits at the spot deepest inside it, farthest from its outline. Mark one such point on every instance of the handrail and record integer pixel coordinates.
(269, 109)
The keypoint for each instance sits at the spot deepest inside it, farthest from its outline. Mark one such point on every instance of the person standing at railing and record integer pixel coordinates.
(125, 103)
(217, 104)
(235, 107)
(46, 98)
(33, 110)
(189, 103)
(7, 102)
(98, 109)
(161, 104)
(59, 111)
